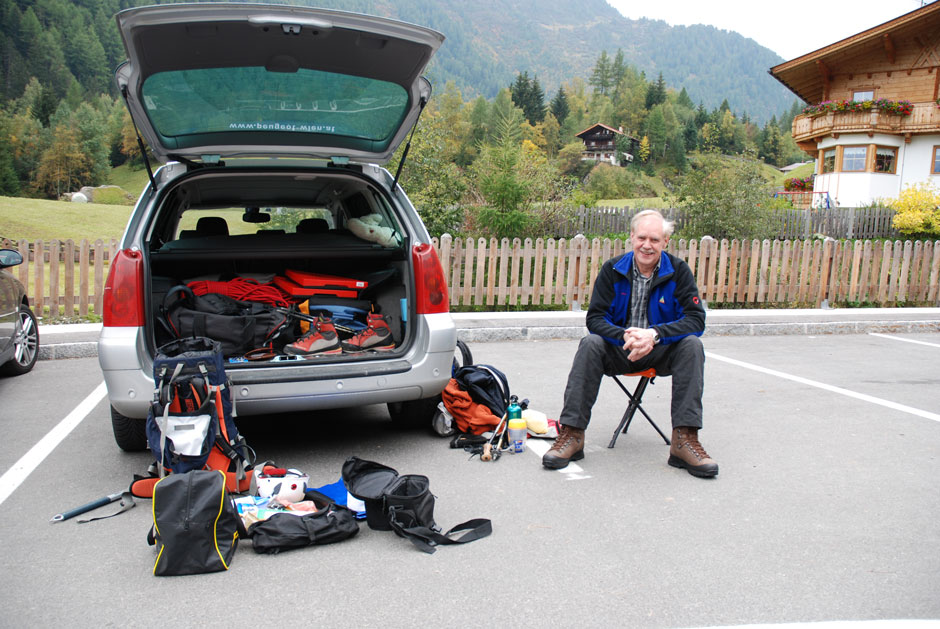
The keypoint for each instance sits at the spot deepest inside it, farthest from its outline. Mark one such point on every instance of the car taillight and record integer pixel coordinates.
(123, 292)
(430, 283)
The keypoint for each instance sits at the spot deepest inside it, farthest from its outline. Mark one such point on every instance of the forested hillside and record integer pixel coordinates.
(488, 43)
(515, 83)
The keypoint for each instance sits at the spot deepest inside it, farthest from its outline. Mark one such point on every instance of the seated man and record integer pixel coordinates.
(645, 312)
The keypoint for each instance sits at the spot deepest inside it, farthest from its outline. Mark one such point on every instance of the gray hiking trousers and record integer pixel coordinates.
(595, 358)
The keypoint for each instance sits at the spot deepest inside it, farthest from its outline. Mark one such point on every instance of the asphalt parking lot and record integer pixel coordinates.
(826, 507)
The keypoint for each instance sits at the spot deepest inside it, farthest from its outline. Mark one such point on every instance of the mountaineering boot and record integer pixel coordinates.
(377, 336)
(321, 339)
(686, 452)
(568, 446)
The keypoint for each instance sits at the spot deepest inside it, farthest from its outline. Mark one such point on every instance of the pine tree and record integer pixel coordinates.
(600, 77)
(656, 132)
(528, 96)
(559, 106)
(656, 92)
(617, 70)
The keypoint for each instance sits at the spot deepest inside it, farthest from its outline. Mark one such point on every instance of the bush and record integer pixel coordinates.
(917, 211)
(611, 182)
(726, 200)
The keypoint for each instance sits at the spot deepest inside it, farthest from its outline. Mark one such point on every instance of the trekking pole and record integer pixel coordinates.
(497, 438)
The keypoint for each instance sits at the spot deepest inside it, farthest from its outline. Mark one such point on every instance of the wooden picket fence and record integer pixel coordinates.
(67, 278)
(743, 274)
(64, 278)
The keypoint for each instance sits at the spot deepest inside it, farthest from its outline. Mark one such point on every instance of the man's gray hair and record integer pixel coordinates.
(668, 226)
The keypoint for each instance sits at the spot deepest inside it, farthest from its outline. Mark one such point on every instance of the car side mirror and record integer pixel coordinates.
(254, 215)
(10, 257)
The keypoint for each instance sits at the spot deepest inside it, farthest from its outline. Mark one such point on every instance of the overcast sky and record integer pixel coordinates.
(790, 29)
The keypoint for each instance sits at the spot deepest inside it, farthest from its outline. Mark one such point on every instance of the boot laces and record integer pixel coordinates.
(696, 447)
(563, 439)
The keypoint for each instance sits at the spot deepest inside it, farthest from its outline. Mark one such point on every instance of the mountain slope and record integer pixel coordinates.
(490, 41)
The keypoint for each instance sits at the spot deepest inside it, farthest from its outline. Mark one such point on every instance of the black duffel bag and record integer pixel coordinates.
(330, 523)
(239, 326)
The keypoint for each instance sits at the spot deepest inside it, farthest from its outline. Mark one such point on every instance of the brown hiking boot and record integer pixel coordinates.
(686, 452)
(568, 446)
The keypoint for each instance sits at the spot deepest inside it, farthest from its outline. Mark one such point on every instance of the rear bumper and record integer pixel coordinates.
(422, 372)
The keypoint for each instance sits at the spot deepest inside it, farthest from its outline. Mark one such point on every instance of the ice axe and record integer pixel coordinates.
(126, 504)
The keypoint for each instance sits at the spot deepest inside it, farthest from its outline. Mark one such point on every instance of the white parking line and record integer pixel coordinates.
(898, 338)
(15, 476)
(828, 387)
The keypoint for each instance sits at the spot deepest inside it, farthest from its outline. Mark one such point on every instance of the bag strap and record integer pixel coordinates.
(425, 539)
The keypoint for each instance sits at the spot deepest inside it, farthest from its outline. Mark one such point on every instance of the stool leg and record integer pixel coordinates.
(635, 398)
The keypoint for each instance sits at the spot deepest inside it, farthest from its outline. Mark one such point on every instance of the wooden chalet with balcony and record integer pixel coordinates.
(873, 123)
(600, 145)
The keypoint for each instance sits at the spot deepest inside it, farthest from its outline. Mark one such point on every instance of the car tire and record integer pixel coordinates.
(130, 433)
(414, 413)
(26, 341)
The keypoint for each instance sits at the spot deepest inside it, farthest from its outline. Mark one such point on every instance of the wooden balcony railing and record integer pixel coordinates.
(924, 119)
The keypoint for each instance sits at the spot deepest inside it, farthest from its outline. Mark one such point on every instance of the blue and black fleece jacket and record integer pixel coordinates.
(675, 309)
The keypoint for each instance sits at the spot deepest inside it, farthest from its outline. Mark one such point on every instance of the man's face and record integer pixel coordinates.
(648, 242)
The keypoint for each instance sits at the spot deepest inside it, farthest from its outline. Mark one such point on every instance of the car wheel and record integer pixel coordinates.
(130, 433)
(414, 413)
(26, 344)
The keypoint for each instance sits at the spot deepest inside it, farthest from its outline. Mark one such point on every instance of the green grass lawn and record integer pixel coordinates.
(647, 203)
(33, 219)
(132, 180)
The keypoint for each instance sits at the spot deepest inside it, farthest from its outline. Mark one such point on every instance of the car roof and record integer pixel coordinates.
(220, 80)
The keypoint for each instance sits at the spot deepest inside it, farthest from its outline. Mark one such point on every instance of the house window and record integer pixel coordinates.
(853, 158)
(863, 95)
(829, 161)
(935, 169)
(886, 158)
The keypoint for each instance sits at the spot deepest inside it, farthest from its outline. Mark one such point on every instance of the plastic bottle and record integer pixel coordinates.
(517, 426)
(517, 435)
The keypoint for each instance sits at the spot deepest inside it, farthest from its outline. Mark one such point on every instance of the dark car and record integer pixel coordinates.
(19, 332)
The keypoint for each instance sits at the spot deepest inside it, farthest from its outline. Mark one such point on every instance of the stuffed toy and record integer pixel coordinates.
(369, 228)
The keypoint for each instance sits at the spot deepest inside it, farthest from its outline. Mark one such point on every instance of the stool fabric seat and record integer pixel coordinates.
(646, 377)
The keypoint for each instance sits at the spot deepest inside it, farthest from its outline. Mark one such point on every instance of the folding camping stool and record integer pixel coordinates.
(636, 398)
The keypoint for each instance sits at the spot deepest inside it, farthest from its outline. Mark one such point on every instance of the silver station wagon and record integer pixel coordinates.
(272, 211)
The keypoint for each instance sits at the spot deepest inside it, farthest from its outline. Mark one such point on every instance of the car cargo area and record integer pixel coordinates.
(293, 250)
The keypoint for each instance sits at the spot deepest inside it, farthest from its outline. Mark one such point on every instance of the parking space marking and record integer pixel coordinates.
(828, 387)
(898, 338)
(21, 470)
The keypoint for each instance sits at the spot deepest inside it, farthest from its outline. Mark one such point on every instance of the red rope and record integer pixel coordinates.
(243, 289)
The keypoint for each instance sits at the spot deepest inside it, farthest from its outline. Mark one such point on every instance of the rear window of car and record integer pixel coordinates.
(220, 100)
(230, 221)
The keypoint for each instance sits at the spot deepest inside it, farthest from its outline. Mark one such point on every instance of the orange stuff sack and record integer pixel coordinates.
(469, 416)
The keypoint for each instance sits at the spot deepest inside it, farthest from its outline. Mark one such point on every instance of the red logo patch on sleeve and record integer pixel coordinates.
(695, 300)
